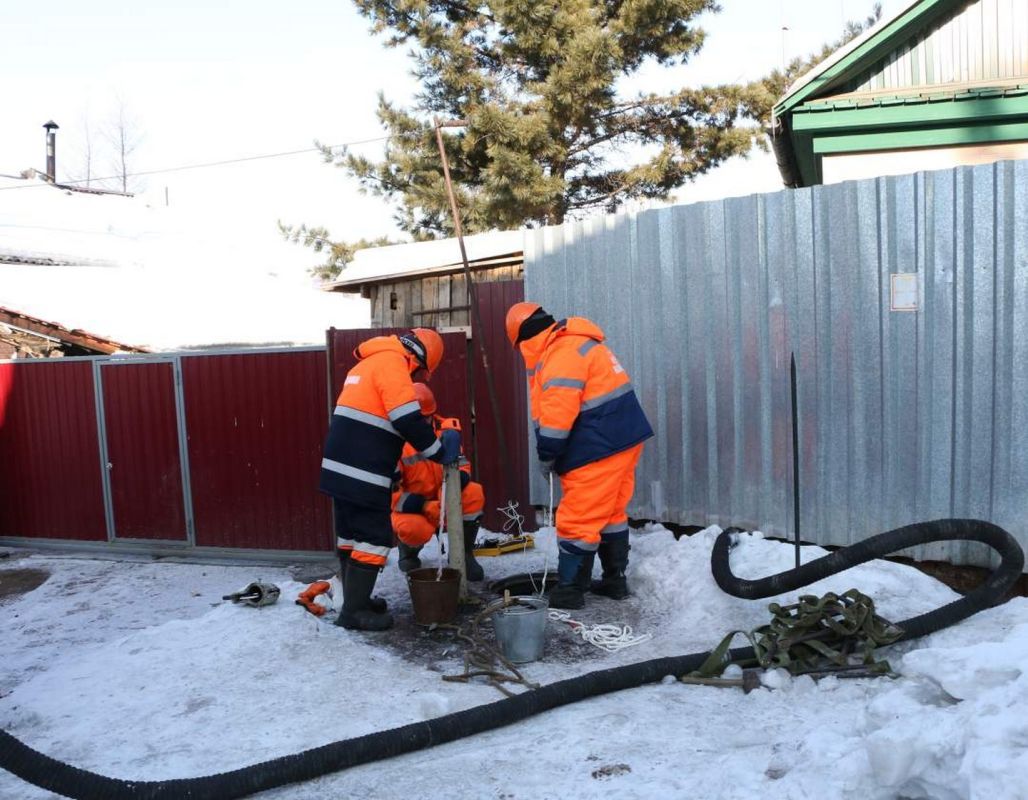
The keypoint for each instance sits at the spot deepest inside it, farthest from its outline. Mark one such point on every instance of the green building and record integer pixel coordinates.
(940, 84)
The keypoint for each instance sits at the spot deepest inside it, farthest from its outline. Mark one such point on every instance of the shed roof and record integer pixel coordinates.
(425, 259)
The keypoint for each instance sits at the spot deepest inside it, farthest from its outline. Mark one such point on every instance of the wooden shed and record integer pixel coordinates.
(423, 283)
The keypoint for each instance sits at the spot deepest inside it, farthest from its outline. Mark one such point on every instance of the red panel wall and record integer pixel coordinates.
(256, 425)
(143, 451)
(508, 372)
(50, 484)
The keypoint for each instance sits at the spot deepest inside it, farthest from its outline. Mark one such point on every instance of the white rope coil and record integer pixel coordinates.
(515, 519)
(605, 635)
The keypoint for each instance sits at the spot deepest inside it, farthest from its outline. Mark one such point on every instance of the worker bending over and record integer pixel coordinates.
(416, 501)
(377, 411)
(589, 430)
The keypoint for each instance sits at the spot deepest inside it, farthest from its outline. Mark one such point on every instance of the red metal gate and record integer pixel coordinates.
(144, 464)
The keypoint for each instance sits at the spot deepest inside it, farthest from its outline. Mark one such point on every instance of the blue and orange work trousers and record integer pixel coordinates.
(594, 502)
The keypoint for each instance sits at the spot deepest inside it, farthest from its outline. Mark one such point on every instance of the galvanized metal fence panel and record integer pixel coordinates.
(903, 416)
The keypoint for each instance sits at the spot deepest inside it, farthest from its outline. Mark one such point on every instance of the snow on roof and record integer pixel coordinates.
(81, 338)
(161, 278)
(374, 264)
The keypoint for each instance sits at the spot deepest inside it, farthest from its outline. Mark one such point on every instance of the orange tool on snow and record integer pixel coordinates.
(307, 596)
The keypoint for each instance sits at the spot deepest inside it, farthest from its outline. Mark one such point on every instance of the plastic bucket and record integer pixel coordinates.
(521, 629)
(434, 598)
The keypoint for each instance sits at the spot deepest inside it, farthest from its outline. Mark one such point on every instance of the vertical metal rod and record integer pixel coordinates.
(476, 314)
(795, 457)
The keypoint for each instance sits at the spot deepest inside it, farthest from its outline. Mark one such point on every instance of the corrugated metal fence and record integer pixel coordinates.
(904, 415)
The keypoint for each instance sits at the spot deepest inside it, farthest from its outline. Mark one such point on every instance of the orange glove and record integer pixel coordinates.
(306, 598)
(431, 512)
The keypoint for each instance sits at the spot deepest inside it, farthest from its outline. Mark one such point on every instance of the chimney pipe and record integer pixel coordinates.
(51, 151)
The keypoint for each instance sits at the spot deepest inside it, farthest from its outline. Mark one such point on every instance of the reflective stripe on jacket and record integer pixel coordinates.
(376, 412)
(583, 404)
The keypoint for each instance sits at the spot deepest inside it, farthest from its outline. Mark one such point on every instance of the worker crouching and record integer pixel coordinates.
(589, 430)
(416, 507)
(376, 412)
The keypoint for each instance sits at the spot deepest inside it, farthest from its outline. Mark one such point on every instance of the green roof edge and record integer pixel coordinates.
(892, 33)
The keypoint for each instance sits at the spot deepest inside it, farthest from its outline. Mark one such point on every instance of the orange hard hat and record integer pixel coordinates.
(426, 346)
(516, 315)
(425, 398)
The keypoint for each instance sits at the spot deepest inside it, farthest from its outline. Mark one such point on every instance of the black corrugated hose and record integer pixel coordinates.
(51, 774)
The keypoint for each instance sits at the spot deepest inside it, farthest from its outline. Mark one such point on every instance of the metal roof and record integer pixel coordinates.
(912, 98)
(869, 46)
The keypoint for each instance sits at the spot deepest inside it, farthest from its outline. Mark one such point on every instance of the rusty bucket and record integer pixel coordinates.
(434, 597)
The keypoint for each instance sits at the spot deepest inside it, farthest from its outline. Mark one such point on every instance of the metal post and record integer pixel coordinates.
(795, 457)
(454, 512)
(473, 301)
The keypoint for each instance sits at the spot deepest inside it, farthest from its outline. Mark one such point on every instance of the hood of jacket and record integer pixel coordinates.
(532, 349)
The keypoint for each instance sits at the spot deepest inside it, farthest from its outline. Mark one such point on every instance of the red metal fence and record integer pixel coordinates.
(256, 424)
(503, 482)
(222, 449)
(50, 481)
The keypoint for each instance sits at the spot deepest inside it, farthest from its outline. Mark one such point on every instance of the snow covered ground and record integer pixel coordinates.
(136, 669)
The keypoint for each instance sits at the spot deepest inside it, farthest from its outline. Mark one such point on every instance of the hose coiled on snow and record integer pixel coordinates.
(51, 774)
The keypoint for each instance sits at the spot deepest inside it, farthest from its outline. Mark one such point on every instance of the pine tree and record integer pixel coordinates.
(548, 134)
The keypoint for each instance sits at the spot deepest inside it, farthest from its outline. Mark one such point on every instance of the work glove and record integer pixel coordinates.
(451, 446)
(431, 512)
(546, 470)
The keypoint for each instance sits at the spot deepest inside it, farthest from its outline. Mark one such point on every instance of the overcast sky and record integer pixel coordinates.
(207, 81)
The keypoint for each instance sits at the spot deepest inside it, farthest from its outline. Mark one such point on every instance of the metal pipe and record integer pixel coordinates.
(473, 301)
(795, 456)
(51, 151)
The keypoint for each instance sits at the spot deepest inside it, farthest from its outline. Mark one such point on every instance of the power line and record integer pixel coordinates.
(204, 165)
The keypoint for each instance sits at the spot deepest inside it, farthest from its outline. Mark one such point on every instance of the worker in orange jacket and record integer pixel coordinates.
(377, 411)
(416, 498)
(589, 430)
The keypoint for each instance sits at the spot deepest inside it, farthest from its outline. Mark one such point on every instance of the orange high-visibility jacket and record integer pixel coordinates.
(420, 478)
(375, 413)
(583, 404)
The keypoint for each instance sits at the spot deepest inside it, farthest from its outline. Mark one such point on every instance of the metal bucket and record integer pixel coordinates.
(434, 598)
(521, 629)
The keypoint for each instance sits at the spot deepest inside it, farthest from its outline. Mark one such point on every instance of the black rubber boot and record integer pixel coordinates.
(408, 557)
(357, 614)
(475, 571)
(569, 591)
(376, 604)
(585, 572)
(614, 559)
